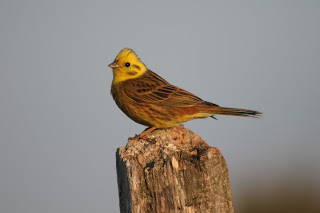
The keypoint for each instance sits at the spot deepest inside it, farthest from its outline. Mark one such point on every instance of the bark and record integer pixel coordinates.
(174, 171)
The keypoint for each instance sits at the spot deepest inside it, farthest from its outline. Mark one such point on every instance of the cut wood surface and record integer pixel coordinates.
(173, 171)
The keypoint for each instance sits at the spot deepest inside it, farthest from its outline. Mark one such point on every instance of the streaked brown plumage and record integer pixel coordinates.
(150, 100)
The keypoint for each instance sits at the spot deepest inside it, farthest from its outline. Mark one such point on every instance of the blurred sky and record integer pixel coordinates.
(60, 127)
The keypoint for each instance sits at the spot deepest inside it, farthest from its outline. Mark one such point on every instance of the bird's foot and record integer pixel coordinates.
(137, 137)
(142, 135)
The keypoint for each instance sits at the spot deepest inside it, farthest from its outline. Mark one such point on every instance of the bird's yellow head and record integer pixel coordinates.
(126, 66)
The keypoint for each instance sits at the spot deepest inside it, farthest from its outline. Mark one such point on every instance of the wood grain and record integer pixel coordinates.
(175, 171)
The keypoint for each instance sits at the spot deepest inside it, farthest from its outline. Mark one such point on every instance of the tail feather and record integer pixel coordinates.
(235, 112)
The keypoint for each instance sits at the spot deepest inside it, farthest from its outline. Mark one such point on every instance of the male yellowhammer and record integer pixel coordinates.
(150, 100)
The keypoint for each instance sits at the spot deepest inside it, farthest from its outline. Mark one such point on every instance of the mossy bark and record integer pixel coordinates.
(175, 171)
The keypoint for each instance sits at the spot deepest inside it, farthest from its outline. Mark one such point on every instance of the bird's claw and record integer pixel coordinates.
(137, 137)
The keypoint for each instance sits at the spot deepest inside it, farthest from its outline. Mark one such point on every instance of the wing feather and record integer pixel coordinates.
(151, 88)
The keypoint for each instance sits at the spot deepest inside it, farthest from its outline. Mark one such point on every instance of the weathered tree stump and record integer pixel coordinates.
(174, 172)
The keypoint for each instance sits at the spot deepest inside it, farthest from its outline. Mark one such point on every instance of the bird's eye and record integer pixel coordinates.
(127, 64)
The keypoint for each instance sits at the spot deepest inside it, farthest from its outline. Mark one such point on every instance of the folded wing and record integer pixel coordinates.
(151, 88)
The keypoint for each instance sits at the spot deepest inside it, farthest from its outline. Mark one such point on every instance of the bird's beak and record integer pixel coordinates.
(113, 65)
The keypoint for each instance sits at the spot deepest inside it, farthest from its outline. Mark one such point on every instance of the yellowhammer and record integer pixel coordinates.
(150, 100)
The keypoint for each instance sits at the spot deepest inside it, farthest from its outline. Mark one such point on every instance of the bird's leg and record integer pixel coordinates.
(213, 117)
(142, 134)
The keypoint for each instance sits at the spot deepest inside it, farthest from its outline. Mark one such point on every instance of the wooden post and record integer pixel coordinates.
(176, 171)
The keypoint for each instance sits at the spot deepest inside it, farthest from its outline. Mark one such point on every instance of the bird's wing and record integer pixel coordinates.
(153, 89)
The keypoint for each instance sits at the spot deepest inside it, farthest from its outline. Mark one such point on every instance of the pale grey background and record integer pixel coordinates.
(60, 128)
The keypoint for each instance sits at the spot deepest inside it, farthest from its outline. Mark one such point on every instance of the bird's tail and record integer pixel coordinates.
(234, 112)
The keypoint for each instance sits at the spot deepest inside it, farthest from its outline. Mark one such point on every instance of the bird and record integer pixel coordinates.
(150, 100)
